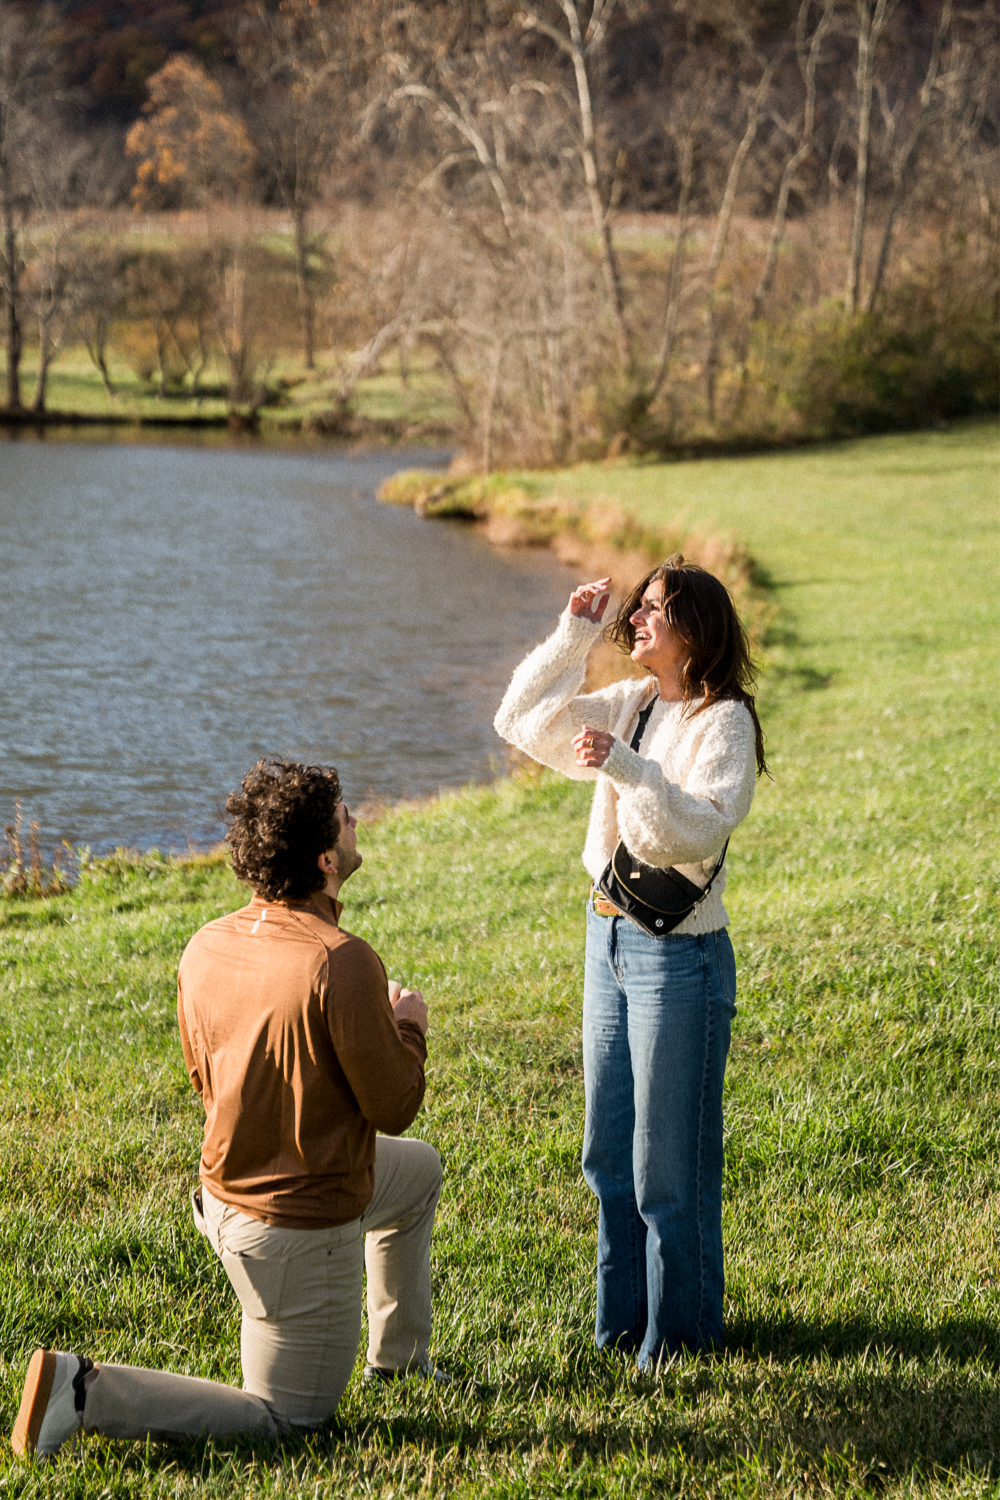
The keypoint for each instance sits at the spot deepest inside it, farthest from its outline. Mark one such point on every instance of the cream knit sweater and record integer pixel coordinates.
(674, 803)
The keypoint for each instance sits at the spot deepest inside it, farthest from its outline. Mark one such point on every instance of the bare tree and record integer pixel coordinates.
(723, 222)
(459, 113)
(957, 184)
(173, 291)
(809, 53)
(100, 301)
(872, 18)
(297, 62)
(25, 67)
(581, 40)
(58, 243)
(684, 129)
(52, 285)
(250, 302)
(502, 319)
(904, 166)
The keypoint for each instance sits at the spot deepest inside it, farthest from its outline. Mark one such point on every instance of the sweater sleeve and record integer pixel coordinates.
(543, 708)
(382, 1061)
(663, 823)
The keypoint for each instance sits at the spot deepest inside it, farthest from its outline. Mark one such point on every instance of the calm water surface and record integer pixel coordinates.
(167, 615)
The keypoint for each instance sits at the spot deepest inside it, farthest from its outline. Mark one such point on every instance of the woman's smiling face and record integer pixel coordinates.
(657, 644)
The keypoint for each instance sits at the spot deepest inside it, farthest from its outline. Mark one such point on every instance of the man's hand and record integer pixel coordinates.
(408, 1005)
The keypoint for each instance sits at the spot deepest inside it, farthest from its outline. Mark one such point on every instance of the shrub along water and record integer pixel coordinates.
(863, 1093)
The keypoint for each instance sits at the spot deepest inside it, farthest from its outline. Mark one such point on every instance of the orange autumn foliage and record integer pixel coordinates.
(189, 148)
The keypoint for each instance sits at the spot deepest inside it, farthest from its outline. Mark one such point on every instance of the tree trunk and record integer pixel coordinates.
(609, 262)
(808, 61)
(234, 342)
(45, 354)
(99, 354)
(94, 330)
(307, 310)
(491, 396)
(101, 361)
(676, 262)
(722, 231)
(11, 287)
(869, 30)
(903, 174)
(161, 358)
(575, 46)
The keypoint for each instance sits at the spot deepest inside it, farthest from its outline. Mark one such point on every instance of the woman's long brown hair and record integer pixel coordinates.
(699, 608)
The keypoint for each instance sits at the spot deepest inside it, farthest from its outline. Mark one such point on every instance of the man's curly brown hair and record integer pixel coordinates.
(281, 820)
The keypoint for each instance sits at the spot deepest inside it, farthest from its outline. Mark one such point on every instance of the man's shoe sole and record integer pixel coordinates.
(37, 1390)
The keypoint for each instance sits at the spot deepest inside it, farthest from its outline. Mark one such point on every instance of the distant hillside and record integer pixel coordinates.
(113, 46)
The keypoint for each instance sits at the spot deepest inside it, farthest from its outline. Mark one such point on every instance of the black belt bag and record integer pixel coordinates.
(657, 899)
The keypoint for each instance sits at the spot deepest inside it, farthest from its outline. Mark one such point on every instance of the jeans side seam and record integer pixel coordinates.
(614, 936)
(612, 947)
(700, 1322)
(633, 1271)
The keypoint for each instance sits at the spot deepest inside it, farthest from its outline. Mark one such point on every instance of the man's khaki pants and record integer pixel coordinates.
(300, 1290)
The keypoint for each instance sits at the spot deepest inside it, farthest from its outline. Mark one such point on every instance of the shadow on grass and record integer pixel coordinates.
(958, 1340)
(780, 633)
(873, 1420)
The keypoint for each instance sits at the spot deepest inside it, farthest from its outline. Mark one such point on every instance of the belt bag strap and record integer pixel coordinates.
(657, 898)
(640, 728)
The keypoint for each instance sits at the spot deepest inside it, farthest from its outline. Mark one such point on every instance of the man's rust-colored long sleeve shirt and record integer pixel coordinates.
(291, 1041)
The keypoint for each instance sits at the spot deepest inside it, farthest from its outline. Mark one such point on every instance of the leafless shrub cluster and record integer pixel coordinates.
(24, 869)
(467, 185)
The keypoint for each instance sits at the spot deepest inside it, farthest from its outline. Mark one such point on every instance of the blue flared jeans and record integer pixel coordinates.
(656, 1024)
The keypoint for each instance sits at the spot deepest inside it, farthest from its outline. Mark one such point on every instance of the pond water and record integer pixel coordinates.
(169, 614)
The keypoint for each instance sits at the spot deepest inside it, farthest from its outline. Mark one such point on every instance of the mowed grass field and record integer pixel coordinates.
(863, 1092)
(75, 386)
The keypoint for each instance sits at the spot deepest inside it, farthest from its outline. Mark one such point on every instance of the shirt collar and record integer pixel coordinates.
(320, 903)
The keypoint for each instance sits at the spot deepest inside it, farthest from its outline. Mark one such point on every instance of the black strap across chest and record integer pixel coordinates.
(658, 899)
(640, 728)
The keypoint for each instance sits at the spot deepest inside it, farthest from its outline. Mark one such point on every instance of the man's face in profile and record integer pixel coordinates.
(345, 851)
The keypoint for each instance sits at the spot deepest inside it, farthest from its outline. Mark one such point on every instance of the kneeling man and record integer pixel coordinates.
(301, 1051)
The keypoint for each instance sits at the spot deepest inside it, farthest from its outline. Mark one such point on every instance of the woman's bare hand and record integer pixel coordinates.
(590, 600)
(592, 746)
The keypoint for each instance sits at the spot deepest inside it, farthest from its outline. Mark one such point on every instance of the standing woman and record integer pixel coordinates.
(675, 756)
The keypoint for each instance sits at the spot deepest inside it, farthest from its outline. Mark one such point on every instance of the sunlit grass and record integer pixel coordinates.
(75, 388)
(863, 1094)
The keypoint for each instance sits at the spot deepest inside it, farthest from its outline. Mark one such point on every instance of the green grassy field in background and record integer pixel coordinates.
(74, 386)
(863, 1092)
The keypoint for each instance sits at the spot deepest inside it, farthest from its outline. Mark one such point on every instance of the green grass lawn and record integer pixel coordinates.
(74, 386)
(863, 1092)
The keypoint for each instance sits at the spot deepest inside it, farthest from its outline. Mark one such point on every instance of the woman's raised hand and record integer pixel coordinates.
(590, 600)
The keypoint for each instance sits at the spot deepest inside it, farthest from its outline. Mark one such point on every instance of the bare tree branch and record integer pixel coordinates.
(809, 59)
(460, 120)
(576, 48)
(902, 173)
(871, 24)
(676, 261)
(724, 220)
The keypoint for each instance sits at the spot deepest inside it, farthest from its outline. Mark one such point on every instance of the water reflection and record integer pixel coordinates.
(168, 614)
